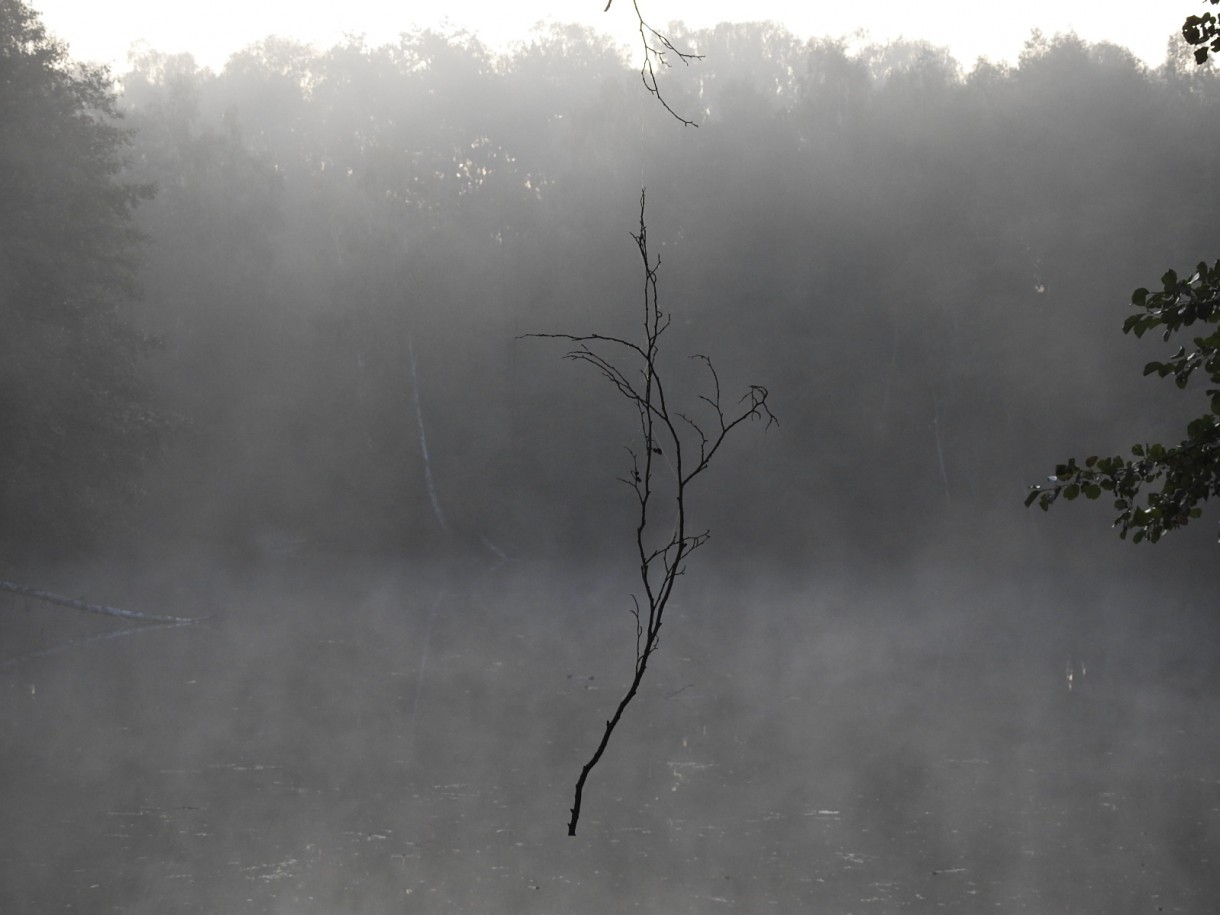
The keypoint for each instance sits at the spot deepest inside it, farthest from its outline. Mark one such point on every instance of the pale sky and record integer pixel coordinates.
(104, 30)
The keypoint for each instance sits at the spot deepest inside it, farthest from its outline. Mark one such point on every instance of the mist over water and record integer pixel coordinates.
(882, 685)
(407, 740)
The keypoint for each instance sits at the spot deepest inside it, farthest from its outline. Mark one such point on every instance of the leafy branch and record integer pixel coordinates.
(1172, 482)
(1201, 31)
(669, 440)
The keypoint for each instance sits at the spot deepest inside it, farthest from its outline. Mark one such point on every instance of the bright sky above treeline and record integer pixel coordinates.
(105, 32)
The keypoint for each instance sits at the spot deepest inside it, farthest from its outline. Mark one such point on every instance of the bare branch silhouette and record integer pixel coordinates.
(659, 51)
(684, 444)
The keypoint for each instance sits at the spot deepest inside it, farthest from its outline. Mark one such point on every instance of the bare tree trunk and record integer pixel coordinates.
(423, 441)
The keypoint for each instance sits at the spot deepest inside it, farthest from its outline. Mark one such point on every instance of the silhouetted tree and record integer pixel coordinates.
(76, 423)
(673, 449)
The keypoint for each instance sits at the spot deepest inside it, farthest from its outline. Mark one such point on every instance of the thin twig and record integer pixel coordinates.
(658, 48)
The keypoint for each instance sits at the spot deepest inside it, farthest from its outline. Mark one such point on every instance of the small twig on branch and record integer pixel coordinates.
(672, 437)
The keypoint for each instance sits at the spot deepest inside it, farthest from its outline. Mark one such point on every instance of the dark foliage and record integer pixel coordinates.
(76, 421)
(1161, 489)
(896, 245)
(1202, 33)
(1173, 482)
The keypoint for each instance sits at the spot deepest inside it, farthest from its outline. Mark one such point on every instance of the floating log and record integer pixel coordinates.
(87, 607)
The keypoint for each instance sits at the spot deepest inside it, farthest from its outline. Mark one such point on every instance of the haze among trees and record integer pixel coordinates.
(75, 414)
(921, 257)
(1162, 488)
(260, 362)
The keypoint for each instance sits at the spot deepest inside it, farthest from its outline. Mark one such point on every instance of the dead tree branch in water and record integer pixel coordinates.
(87, 607)
(669, 439)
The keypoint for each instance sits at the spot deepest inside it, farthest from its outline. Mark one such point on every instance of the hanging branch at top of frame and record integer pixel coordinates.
(659, 51)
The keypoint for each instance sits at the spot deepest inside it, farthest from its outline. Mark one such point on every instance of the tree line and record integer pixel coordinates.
(265, 289)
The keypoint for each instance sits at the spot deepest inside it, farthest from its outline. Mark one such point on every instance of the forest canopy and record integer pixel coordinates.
(345, 243)
(76, 422)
